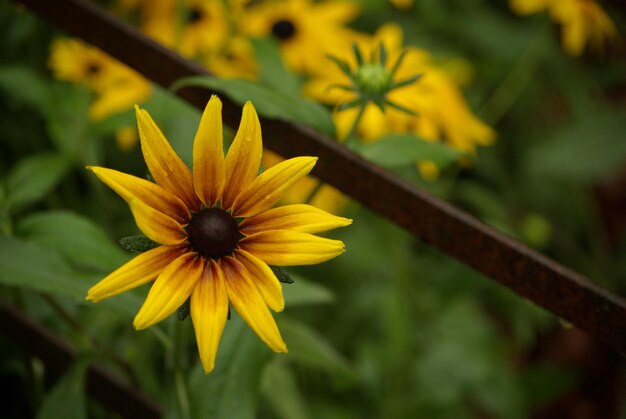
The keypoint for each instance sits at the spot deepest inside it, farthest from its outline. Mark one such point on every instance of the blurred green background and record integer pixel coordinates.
(392, 328)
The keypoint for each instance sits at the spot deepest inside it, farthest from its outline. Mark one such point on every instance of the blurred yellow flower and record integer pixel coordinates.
(306, 31)
(217, 230)
(234, 60)
(440, 111)
(117, 87)
(583, 22)
(193, 27)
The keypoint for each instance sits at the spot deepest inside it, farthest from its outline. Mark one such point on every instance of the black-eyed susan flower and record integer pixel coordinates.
(116, 86)
(305, 30)
(583, 22)
(217, 230)
(193, 27)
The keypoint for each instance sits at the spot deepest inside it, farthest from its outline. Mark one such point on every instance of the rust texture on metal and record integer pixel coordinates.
(40, 342)
(523, 270)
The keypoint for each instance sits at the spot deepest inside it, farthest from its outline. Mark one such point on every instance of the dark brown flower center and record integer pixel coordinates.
(93, 69)
(213, 233)
(194, 15)
(283, 30)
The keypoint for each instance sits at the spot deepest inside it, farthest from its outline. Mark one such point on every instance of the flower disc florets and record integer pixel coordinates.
(283, 29)
(213, 233)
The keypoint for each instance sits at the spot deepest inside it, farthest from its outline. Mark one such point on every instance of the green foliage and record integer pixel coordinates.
(32, 178)
(398, 150)
(67, 399)
(79, 239)
(268, 102)
(30, 266)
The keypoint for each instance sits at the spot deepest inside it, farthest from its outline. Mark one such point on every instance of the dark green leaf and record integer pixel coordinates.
(280, 388)
(67, 398)
(137, 244)
(30, 266)
(273, 72)
(24, 85)
(33, 177)
(282, 274)
(267, 102)
(311, 349)
(303, 292)
(78, 238)
(583, 151)
(397, 150)
(183, 311)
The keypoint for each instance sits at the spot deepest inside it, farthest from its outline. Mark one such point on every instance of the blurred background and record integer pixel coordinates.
(517, 118)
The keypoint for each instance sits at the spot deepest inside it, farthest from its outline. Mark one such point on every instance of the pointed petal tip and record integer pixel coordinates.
(208, 368)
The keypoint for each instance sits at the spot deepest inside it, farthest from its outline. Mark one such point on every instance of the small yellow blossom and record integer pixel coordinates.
(440, 112)
(583, 22)
(217, 230)
(116, 86)
(193, 27)
(306, 31)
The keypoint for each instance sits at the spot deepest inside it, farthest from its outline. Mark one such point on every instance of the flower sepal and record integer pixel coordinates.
(137, 244)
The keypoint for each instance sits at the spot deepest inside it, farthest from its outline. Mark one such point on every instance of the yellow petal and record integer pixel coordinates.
(267, 188)
(138, 271)
(299, 217)
(170, 290)
(249, 303)
(131, 187)
(209, 310)
(288, 248)
(208, 154)
(265, 280)
(156, 225)
(166, 167)
(244, 156)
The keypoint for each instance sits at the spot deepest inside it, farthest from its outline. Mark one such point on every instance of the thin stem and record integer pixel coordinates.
(179, 377)
(357, 121)
(515, 82)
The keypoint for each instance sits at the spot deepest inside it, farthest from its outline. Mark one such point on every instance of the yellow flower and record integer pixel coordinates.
(306, 31)
(583, 22)
(193, 27)
(440, 111)
(117, 87)
(235, 60)
(217, 230)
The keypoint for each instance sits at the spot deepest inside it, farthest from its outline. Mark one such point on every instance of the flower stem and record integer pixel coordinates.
(179, 376)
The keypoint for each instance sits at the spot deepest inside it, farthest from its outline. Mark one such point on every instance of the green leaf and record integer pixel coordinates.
(33, 177)
(24, 86)
(311, 349)
(282, 274)
(67, 398)
(280, 388)
(268, 102)
(78, 238)
(273, 72)
(584, 151)
(137, 244)
(304, 292)
(30, 266)
(398, 150)
(231, 390)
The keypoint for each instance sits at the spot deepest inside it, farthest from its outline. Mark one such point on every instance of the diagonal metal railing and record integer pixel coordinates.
(528, 273)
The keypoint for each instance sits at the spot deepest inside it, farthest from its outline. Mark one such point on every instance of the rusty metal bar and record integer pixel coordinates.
(523, 270)
(58, 355)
